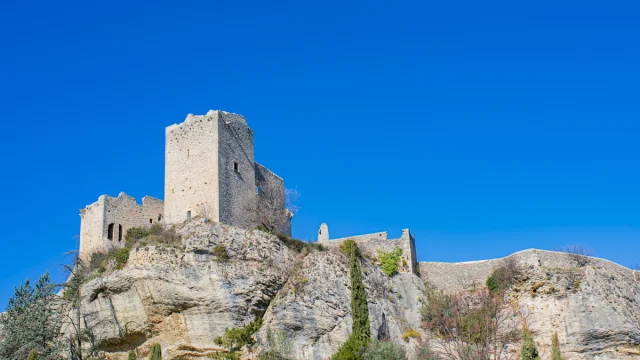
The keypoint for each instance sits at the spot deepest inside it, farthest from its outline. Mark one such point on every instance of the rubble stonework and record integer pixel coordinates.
(209, 171)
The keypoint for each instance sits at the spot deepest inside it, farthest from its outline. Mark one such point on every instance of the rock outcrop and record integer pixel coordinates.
(184, 297)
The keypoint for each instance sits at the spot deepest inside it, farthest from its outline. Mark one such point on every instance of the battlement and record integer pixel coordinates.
(372, 243)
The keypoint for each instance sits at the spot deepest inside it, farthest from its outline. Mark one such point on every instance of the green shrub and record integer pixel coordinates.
(555, 348)
(235, 339)
(220, 251)
(384, 351)
(33, 355)
(355, 345)
(132, 355)
(135, 233)
(503, 276)
(528, 349)
(121, 256)
(389, 261)
(156, 352)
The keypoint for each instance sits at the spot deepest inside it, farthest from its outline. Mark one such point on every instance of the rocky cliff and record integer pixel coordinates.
(184, 297)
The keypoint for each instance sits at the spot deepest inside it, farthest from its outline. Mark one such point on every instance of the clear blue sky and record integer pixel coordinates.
(484, 127)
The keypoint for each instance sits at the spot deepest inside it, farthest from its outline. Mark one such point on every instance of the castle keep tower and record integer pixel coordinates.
(210, 171)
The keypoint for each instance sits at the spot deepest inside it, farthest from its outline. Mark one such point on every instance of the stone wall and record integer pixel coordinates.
(370, 244)
(460, 276)
(270, 196)
(191, 168)
(237, 177)
(104, 223)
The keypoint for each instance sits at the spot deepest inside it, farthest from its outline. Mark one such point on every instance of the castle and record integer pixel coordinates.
(210, 171)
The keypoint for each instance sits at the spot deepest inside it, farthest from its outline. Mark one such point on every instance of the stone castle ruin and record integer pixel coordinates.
(210, 171)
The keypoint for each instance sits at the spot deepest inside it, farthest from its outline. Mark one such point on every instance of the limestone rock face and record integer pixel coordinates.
(595, 308)
(184, 297)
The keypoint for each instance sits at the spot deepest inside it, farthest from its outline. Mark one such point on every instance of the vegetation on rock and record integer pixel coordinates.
(33, 355)
(220, 251)
(234, 340)
(528, 349)
(389, 261)
(384, 351)
(293, 244)
(355, 345)
(555, 348)
(131, 355)
(156, 352)
(503, 276)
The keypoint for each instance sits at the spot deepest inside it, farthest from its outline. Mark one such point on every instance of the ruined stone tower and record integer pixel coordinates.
(210, 170)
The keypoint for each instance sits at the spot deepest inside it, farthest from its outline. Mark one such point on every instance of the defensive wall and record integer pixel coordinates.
(370, 244)
(466, 275)
(270, 197)
(104, 223)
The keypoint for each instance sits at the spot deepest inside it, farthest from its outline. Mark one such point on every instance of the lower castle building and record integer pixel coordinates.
(210, 171)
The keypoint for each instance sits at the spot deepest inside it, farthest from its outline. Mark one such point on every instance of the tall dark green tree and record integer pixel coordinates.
(156, 352)
(555, 348)
(355, 345)
(31, 321)
(528, 350)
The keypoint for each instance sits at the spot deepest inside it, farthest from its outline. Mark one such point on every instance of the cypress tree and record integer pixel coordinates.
(528, 350)
(132, 355)
(156, 352)
(555, 348)
(355, 345)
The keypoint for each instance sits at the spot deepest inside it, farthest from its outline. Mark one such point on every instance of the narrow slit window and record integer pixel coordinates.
(236, 166)
(150, 221)
(110, 232)
(119, 232)
(188, 214)
(159, 217)
(257, 190)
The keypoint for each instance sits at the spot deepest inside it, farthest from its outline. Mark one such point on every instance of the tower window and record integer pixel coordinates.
(236, 166)
(110, 232)
(150, 221)
(257, 190)
(159, 217)
(119, 232)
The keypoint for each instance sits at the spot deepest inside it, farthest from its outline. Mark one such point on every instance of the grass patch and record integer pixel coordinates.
(293, 244)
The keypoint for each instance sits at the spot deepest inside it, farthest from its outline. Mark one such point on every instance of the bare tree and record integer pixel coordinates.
(274, 207)
(470, 326)
(578, 253)
(205, 210)
(78, 336)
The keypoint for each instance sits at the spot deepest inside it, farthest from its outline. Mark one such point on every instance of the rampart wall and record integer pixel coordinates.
(461, 276)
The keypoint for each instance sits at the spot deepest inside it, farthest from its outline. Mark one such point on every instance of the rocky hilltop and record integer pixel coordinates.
(184, 296)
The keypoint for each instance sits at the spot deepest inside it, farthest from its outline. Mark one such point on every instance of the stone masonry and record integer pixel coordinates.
(370, 244)
(209, 171)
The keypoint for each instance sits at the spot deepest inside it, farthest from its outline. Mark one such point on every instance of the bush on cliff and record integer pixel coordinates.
(504, 276)
(293, 244)
(354, 347)
(33, 355)
(234, 340)
(132, 355)
(384, 351)
(389, 261)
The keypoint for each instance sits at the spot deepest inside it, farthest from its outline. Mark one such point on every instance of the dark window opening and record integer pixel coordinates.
(188, 214)
(110, 232)
(159, 217)
(236, 166)
(150, 221)
(119, 232)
